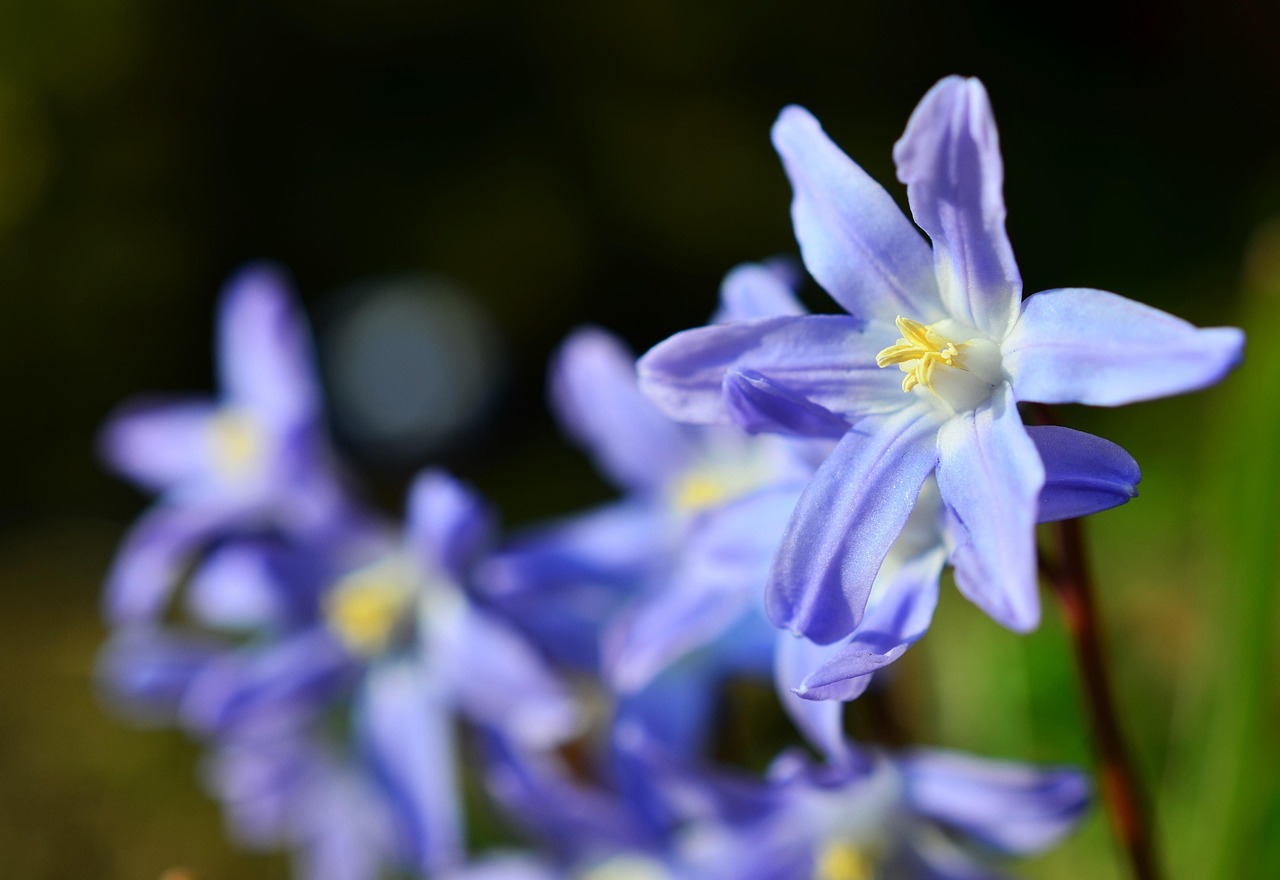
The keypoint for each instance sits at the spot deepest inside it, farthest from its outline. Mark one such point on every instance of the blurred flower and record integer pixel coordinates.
(950, 319)
(920, 815)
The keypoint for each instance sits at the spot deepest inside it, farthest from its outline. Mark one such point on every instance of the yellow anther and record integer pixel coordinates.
(844, 861)
(918, 353)
(237, 443)
(366, 608)
(699, 490)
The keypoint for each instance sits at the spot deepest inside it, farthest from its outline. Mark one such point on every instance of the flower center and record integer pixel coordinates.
(367, 607)
(919, 352)
(960, 374)
(626, 867)
(237, 443)
(844, 861)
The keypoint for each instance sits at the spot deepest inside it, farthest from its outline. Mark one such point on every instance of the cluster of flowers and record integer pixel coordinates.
(789, 503)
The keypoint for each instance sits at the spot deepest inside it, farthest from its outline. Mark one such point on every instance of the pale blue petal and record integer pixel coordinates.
(145, 672)
(892, 624)
(821, 721)
(949, 158)
(236, 588)
(159, 443)
(1083, 474)
(343, 828)
(827, 359)
(758, 405)
(1088, 346)
(154, 556)
(498, 679)
(854, 239)
(540, 793)
(268, 687)
(845, 522)
(990, 476)
(448, 526)
(716, 586)
(507, 866)
(1015, 808)
(594, 393)
(265, 356)
(759, 290)
(406, 731)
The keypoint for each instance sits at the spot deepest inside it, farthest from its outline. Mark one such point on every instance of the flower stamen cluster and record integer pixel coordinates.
(918, 353)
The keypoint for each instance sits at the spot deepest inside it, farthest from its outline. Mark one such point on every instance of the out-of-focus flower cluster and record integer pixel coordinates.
(787, 505)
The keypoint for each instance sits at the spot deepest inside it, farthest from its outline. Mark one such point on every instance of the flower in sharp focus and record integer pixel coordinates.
(928, 367)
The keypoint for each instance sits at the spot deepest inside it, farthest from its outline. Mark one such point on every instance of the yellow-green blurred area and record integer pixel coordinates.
(567, 162)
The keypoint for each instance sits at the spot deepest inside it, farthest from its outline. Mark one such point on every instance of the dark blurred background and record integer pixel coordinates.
(556, 163)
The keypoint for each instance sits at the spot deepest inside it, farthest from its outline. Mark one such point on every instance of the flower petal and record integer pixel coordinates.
(949, 158)
(236, 588)
(264, 688)
(155, 554)
(146, 672)
(265, 357)
(759, 290)
(854, 239)
(828, 359)
(448, 526)
(405, 728)
(159, 443)
(821, 721)
(594, 393)
(1083, 474)
(990, 476)
(892, 624)
(1015, 808)
(1078, 345)
(758, 405)
(845, 522)
(497, 678)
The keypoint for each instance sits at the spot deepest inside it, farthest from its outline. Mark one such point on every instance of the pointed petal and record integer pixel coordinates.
(849, 515)
(758, 405)
(1088, 346)
(448, 526)
(265, 356)
(990, 476)
(1083, 474)
(759, 290)
(145, 672)
(854, 239)
(821, 721)
(717, 584)
(497, 677)
(949, 158)
(406, 730)
(594, 393)
(155, 554)
(159, 443)
(263, 688)
(829, 360)
(1015, 808)
(894, 622)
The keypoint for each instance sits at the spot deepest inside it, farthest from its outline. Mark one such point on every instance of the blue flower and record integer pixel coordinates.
(253, 458)
(919, 815)
(929, 371)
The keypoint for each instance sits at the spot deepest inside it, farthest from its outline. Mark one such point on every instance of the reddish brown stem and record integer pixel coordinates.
(1127, 809)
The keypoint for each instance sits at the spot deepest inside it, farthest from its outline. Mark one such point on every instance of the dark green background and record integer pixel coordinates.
(608, 162)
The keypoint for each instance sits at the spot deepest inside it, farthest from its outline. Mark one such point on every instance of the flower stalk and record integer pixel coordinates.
(1127, 808)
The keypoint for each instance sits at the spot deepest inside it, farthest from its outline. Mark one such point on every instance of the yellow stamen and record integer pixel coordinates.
(844, 861)
(367, 607)
(699, 490)
(237, 443)
(919, 352)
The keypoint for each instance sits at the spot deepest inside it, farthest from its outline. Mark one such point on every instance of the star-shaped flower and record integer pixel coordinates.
(966, 347)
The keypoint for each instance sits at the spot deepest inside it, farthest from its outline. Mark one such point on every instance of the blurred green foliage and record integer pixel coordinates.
(569, 162)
